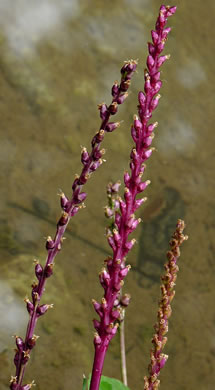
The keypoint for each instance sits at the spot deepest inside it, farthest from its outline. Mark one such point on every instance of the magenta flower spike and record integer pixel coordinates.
(91, 161)
(142, 134)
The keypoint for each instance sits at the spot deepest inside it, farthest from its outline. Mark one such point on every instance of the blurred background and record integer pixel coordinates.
(58, 60)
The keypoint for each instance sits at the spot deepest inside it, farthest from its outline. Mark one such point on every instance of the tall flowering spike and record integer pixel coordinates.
(91, 161)
(123, 220)
(158, 358)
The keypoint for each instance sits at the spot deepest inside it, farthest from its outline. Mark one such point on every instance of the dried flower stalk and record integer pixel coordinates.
(158, 358)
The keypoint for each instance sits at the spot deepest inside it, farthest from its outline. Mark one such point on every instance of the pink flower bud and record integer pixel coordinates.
(113, 108)
(124, 271)
(125, 300)
(50, 244)
(95, 165)
(96, 324)
(25, 356)
(127, 195)
(109, 212)
(109, 328)
(138, 203)
(151, 127)
(147, 85)
(171, 10)
(154, 36)
(48, 271)
(147, 141)
(97, 339)
(125, 85)
(111, 242)
(128, 68)
(115, 89)
(132, 166)
(123, 206)
(115, 314)
(32, 341)
(117, 237)
(162, 17)
(161, 60)
(29, 305)
(111, 126)
(122, 98)
(126, 179)
(97, 307)
(165, 32)
(117, 219)
(64, 219)
(43, 309)
(20, 343)
(104, 278)
(74, 211)
(81, 197)
(147, 154)
(129, 245)
(28, 386)
(38, 270)
(141, 98)
(99, 136)
(151, 48)
(137, 124)
(84, 156)
(154, 102)
(104, 304)
(143, 185)
(63, 200)
(157, 86)
(97, 153)
(160, 47)
(134, 134)
(103, 111)
(150, 62)
(114, 330)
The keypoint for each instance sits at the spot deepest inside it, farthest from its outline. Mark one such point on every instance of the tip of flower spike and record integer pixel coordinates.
(170, 9)
(132, 62)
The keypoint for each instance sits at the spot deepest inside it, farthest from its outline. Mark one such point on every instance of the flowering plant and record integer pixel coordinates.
(121, 211)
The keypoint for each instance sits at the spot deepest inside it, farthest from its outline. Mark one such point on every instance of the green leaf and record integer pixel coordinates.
(110, 384)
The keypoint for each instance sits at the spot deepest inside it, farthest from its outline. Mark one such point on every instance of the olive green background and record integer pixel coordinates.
(58, 60)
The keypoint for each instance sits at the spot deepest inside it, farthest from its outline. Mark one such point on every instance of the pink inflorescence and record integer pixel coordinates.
(91, 161)
(111, 278)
